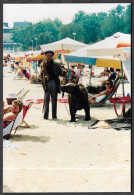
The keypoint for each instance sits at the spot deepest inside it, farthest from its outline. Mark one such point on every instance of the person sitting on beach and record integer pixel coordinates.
(73, 78)
(113, 74)
(8, 57)
(78, 73)
(34, 79)
(10, 98)
(97, 89)
(12, 66)
(21, 71)
(106, 72)
(16, 107)
(5, 63)
(98, 97)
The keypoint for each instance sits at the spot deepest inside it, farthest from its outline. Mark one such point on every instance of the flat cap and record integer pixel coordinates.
(49, 51)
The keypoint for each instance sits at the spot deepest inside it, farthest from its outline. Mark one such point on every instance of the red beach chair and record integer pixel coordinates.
(19, 120)
(121, 100)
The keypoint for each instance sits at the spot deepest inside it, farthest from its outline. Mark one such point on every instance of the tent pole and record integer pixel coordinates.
(81, 73)
(90, 75)
(68, 70)
(36, 69)
(123, 86)
(122, 79)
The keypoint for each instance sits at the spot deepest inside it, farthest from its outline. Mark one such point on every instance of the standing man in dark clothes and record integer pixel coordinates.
(50, 72)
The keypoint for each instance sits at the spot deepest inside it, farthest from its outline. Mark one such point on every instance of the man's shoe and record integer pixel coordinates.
(45, 117)
(54, 118)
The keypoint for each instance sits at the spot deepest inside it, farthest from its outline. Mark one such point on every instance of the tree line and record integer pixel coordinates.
(89, 28)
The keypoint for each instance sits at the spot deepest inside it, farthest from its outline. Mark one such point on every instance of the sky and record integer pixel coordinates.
(65, 12)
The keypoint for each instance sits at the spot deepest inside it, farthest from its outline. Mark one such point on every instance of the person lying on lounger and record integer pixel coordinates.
(16, 107)
(99, 97)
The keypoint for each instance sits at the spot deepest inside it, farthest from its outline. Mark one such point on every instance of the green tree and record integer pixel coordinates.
(57, 22)
(126, 17)
(113, 22)
(80, 16)
(89, 28)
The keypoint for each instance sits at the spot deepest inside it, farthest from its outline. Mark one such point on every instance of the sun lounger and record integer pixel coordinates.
(22, 94)
(13, 125)
(115, 87)
(18, 121)
(19, 91)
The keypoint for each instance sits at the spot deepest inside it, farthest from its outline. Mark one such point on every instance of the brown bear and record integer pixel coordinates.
(77, 98)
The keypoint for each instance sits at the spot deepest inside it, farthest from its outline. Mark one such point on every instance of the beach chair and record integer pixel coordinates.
(19, 91)
(21, 94)
(120, 100)
(113, 92)
(18, 120)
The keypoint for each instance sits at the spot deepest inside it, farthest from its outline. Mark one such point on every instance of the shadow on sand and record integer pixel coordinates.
(30, 138)
(80, 120)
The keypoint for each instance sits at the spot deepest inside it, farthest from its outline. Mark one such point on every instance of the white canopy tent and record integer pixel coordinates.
(64, 44)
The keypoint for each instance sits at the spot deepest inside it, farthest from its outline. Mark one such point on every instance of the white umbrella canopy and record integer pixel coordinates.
(64, 44)
(114, 46)
(110, 46)
(105, 49)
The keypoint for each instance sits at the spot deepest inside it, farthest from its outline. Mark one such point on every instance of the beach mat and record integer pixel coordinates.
(117, 124)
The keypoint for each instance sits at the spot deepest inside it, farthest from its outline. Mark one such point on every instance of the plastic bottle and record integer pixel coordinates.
(128, 94)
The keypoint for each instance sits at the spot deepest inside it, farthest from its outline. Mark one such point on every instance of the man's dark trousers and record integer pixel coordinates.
(51, 90)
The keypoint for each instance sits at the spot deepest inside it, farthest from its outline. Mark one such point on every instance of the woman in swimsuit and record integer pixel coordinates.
(98, 97)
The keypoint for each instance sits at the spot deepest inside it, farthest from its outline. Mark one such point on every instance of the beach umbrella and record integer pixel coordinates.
(112, 47)
(109, 52)
(64, 44)
(104, 53)
(67, 44)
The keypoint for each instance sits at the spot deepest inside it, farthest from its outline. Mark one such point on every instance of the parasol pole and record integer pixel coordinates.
(90, 74)
(36, 69)
(123, 86)
(122, 80)
(68, 71)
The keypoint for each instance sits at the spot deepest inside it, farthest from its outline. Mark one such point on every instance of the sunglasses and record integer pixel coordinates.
(108, 83)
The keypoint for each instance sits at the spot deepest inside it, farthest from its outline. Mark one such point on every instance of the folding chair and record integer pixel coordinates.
(19, 91)
(114, 91)
(18, 121)
(22, 94)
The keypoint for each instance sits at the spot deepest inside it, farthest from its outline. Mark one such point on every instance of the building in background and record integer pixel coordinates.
(25, 23)
(8, 44)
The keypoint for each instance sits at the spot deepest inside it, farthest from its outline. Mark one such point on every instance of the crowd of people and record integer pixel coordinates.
(52, 75)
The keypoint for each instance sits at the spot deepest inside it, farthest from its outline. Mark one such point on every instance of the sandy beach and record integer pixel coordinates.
(59, 156)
